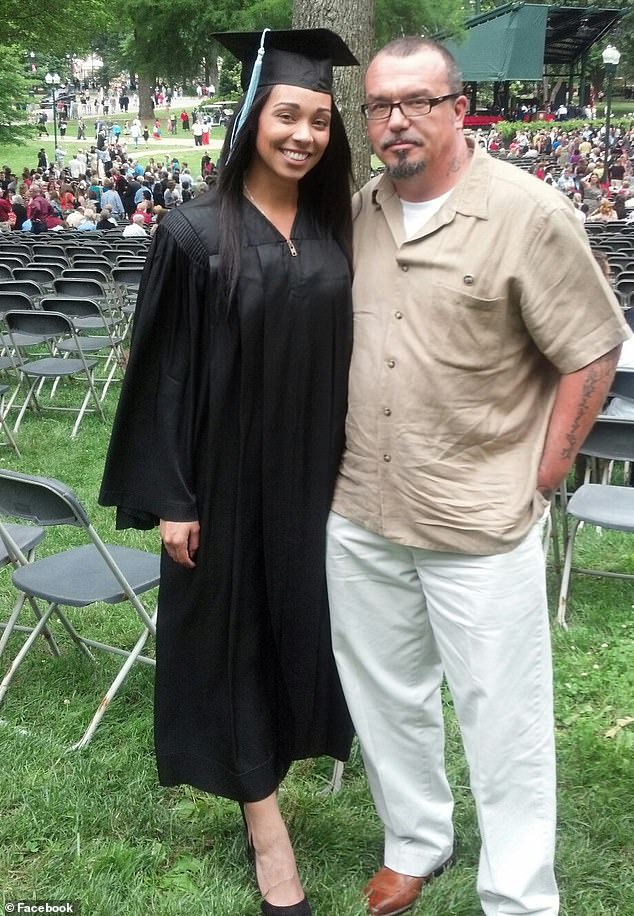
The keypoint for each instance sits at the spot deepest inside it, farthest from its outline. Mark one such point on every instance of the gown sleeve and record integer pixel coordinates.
(148, 472)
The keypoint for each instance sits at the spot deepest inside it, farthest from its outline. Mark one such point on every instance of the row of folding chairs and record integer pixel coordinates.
(55, 341)
(71, 255)
(44, 272)
(59, 236)
(616, 226)
(69, 250)
(113, 256)
(115, 288)
(54, 363)
(59, 590)
(44, 275)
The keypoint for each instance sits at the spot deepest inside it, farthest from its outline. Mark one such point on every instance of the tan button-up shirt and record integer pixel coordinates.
(460, 335)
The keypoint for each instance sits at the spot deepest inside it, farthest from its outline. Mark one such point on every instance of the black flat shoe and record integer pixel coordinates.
(298, 909)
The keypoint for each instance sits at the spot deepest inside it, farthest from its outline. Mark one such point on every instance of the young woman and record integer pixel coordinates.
(230, 431)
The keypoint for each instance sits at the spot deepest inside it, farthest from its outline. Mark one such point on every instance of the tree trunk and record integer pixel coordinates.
(146, 91)
(354, 21)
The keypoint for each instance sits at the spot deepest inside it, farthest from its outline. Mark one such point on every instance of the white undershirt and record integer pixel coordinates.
(415, 215)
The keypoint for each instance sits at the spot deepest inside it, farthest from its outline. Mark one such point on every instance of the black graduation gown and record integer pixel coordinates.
(238, 422)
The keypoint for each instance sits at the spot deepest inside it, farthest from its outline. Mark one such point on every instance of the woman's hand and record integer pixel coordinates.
(181, 541)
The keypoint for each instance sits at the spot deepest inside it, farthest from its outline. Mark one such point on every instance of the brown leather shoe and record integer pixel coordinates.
(390, 893)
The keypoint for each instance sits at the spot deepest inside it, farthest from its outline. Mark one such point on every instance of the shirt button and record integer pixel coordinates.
(404, 268)
(387, 411)
(398, 314)
(390, 363)
(387, 458)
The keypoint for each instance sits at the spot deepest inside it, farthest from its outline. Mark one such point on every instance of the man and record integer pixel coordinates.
(135, 132)
(59, 157)
(485, 340)
(111, 198)
(566, 182)
(74, 167)
(136, 227)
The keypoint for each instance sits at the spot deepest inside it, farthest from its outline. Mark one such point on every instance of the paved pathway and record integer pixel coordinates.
(168, 144)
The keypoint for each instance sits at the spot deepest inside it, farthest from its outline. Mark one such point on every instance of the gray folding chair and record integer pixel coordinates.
(94, 334)
(46, 260)
(77, 577)
(14, 260)
(36, 369)
(105, 293)
(604, 505)
(128, 279)
(43, 246)
(31, 289)
(4, 410)
(90, 261)
(623, 384)
(10, 358)
(77, 272)
(38, 274)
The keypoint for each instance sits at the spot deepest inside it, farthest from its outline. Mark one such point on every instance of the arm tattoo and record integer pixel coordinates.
(596, 373)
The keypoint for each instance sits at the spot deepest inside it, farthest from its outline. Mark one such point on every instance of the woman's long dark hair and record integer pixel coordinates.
(325, 192)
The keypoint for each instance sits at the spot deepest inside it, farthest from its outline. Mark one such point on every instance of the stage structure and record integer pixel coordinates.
(518, 41)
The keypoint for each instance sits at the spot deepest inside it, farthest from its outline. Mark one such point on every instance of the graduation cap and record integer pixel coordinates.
(289, 57)
(292, 57)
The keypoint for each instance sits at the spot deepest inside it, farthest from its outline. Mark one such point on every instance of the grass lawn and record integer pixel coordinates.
(95, 827)
(24, 154)
(620, 107)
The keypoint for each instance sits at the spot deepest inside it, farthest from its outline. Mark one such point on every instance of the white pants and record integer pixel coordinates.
(401, 618)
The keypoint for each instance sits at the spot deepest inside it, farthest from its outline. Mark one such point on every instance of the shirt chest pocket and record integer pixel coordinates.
(464, 332)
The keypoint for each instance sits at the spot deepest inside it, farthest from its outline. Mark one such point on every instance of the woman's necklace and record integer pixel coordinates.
(291, 246)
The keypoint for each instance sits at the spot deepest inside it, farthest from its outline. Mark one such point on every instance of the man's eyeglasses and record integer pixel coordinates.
(409, 108)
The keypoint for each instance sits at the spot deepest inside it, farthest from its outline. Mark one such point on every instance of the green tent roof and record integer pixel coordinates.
(513, 42)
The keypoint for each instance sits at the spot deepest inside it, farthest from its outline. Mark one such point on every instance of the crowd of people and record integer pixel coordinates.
(573, 161)
(94, 192)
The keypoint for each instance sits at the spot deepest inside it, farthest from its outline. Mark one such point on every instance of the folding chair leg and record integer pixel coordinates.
(30, 396)
(337, 777)
(565, 576)
(109, 378)
(74, 635)
(91, 393)
(114, 687)
(17, 661)
(4, 409)
(563, 512)
(9, 625)
(554, 540)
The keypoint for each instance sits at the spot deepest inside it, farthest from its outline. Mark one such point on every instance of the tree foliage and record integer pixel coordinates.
(395, 18)
(14, 94)
(67, 30)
